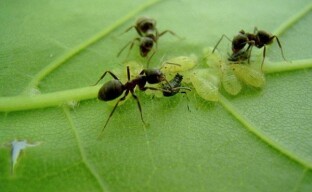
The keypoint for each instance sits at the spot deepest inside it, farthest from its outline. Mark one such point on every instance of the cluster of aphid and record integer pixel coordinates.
(230, 72)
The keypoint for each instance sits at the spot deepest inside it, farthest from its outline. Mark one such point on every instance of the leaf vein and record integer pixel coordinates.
(265, 138)
(103, 185)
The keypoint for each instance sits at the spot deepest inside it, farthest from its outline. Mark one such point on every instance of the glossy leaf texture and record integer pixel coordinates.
(53, 51)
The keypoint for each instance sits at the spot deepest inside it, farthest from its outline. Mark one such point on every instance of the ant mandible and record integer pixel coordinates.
(148, 37)
(259, 38)
(114, 88)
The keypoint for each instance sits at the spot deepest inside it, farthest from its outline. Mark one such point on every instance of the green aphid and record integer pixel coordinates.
(206, 84)
(249, 75)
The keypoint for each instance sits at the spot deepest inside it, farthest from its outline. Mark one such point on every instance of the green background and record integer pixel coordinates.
(259, 140)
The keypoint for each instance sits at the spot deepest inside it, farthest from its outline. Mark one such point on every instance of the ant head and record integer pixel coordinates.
(111, 90)
(146, 46)
(154, 76)
(145, 24)
(239, 56)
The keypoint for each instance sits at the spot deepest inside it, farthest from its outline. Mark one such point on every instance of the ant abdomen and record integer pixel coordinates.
(111, 90)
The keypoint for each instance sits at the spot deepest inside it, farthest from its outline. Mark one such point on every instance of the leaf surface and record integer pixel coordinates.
(258, 140)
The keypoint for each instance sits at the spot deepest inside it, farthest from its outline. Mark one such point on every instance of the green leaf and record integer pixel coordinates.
(52, 51)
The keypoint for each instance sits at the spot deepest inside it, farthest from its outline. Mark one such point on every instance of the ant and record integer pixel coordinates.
(114, 88)
(148, 37)
(259, 39)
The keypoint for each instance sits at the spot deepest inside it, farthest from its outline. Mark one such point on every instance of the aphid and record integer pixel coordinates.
(148, 37)
(258, 39)
(248, 75)
(221, 68)
(206, 84)
(174, 86)
(179, 64)
(114, 88)
(229, 80)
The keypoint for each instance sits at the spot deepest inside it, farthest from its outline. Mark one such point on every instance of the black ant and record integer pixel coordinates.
(149, 35)
(259, 39)
(114, 88)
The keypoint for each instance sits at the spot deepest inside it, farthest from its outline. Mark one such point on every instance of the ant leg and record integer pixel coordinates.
(250, 46)
(139, 105)
(215, 47)
(112, 74)
(168, 31)
(111, 114)
(264, 50)
(131, 43)
(128, 73)
(127, 29)
(280, 46)
(150, 57)
(157, 89)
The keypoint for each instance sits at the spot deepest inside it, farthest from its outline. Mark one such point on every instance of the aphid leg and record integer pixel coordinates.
(139, 105)
(188, 100)
(112, 74)
(255, 30)
(111, 114)
(280, 46)
(215, 47)
(131, 43)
